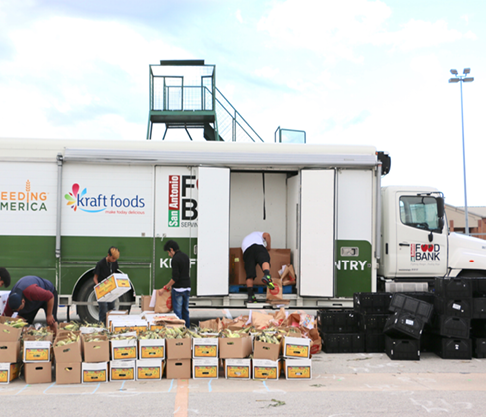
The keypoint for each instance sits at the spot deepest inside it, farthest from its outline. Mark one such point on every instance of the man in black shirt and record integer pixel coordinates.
(104, 268)
(180, 282)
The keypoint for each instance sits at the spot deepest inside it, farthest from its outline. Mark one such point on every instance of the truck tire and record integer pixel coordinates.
(90, 313)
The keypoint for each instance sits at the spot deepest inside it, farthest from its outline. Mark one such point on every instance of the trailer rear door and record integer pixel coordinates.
(317, 233)
(213, 231)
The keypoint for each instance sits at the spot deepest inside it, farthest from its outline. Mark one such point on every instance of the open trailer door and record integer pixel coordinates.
(213, 231)
(317, 233)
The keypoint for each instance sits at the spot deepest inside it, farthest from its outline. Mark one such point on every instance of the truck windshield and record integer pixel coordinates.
(419, 212)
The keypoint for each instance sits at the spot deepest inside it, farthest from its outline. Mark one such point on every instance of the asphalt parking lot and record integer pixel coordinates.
(358, 384)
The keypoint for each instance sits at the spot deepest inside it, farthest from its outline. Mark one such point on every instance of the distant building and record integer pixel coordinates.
(476, 218)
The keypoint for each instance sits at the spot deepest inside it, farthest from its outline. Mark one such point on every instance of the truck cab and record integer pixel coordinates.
(416, 243)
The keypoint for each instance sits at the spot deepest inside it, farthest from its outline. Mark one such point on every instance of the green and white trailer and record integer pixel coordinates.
(63, 203)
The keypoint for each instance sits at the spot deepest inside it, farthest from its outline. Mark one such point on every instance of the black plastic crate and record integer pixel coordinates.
(478, 328)
(402, 349)
(343, 343)
(457, 327)
(479, 347)
(338, 321)
(428, 297)
(374, 342)
(372, 302)
(454, 308)
(405, 303)
(479, 308)
(478, 286)
(453, 348)
(403, 323)
(453, 288)
(374, 323)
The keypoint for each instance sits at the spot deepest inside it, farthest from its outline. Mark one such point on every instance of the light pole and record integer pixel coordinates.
(460, 79)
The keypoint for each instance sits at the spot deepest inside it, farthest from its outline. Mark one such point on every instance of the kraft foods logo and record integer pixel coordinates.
(182, 209)
(25, 200)
(111, 204)
(424, 252)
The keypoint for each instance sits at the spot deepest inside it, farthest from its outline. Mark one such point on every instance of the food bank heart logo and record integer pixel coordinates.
(426, 248)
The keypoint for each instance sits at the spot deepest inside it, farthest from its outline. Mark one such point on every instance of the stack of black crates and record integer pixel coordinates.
(449, 321)
(404, 328)
(458, 330)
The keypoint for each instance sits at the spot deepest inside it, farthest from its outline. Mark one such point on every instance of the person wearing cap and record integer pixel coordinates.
(104, 268)
(4, 277)
(29, 295)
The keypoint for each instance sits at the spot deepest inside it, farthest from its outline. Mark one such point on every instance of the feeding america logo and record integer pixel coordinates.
(102, 202)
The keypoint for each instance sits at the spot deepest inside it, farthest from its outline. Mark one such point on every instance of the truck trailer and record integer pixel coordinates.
(63, 203)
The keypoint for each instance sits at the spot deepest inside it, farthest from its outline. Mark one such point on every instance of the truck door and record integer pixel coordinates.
(421, 237)
(213, 233)
(317, 233)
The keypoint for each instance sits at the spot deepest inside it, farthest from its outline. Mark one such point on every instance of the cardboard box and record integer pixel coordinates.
(150, 369)
(119, 327)
(96, 351)
(38, 373)
(178, 368)
(268, 351)
(296, 347)
(123, 349)
(235, 348)
(237, 274)
(205, 347)
(122, 370)
(151, 348)
(178, 348)
(205, 368)
(68, 373)
(68, 353)
(237, 368)
(94, 372)
(114, 315)
(298, 368)
(9, 352)
(145, 303)
(265, 369)
(8, 372)
(112, 287)
(37, 351)
(9, 333)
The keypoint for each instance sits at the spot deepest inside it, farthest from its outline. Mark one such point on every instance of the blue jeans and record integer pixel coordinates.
(180, 305)
(104, 308)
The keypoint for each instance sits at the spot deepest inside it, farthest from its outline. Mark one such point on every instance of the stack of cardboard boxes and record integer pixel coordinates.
(37, 358)
(9, 351)
(68, 357)
(96, 352)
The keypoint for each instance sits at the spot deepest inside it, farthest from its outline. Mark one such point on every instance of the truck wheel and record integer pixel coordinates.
(91, 313)
(88, 313)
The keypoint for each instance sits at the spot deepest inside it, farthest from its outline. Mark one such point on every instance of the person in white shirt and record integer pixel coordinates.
(255, 249)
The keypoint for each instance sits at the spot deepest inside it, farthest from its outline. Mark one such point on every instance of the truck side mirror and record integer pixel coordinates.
(441, 223)
(440, 207)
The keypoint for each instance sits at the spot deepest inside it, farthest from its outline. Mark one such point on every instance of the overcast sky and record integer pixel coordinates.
(346, 72)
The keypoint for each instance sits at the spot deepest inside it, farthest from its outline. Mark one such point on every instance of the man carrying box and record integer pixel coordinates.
(104, 268)
(29, 295)
(255, 249)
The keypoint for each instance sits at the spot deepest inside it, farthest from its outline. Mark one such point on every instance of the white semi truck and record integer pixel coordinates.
(63, 203)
